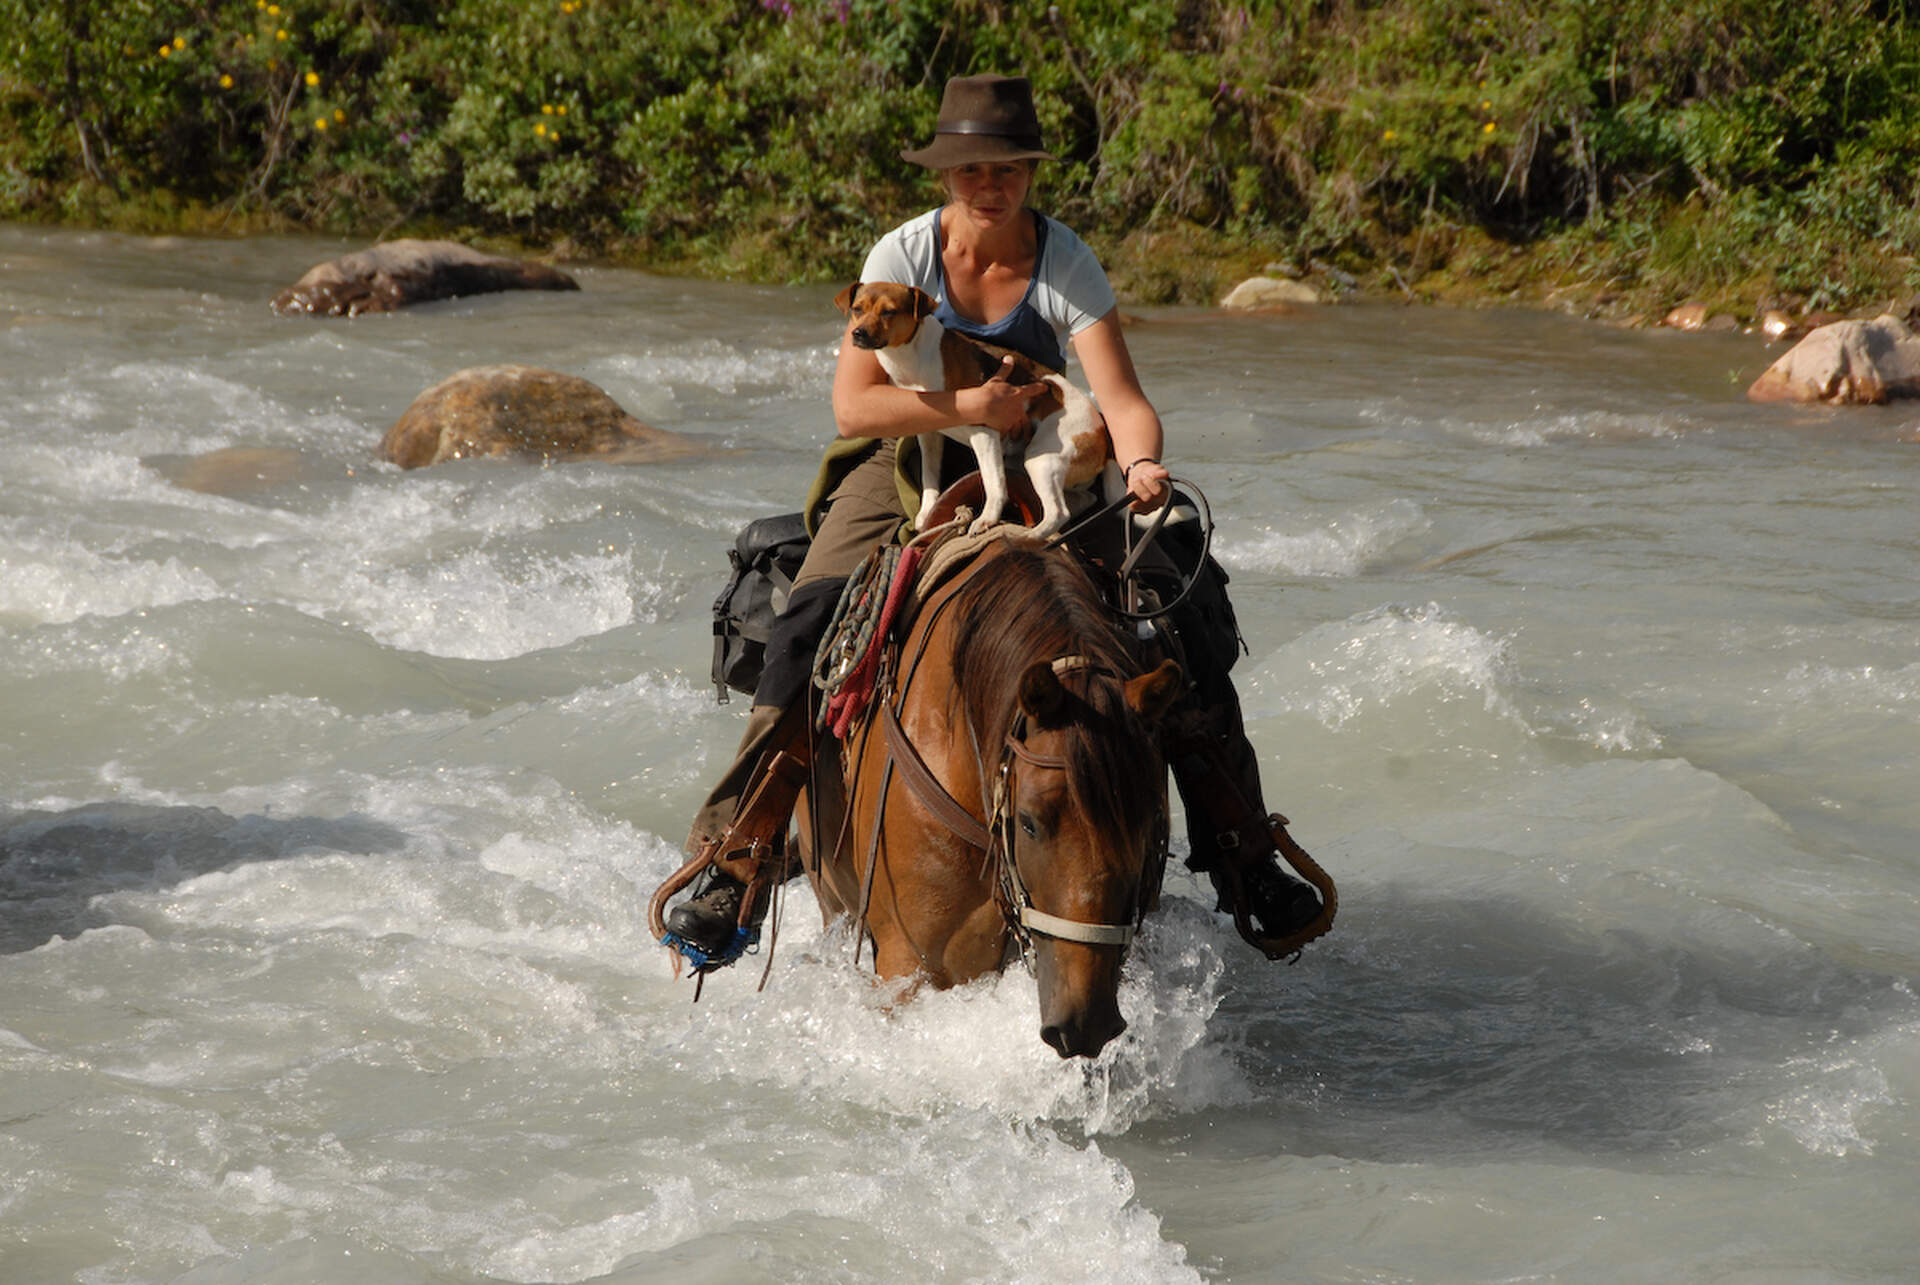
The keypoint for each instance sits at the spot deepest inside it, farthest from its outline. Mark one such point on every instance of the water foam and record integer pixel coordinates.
(467, 946)
(718, 369)
(830, 1028)
(1342, 670)
(56, 583)
(478, 605)
(1343, 546)
(1828, 1111)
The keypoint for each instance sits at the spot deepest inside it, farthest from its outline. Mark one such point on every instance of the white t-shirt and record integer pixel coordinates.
(1069, 289)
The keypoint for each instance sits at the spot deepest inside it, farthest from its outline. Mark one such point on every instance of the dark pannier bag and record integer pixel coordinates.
(766, 557)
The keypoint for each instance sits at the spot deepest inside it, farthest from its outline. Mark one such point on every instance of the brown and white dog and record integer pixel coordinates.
(1069, 447)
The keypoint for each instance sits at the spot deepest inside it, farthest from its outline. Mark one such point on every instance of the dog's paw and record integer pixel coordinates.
(982, 524)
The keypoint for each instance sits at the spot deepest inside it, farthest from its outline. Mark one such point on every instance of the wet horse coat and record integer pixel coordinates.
(1010, 787)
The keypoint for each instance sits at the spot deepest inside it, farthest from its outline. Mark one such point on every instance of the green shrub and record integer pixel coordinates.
(1750, 145)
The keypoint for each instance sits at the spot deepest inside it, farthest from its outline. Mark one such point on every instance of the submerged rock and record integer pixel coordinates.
(397, 273)
(1257, 293)
(1847, 363)
(242, 470)
(523, 410)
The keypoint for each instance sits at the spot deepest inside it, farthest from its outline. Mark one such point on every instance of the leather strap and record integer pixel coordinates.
(1073, 930)
(921, 784)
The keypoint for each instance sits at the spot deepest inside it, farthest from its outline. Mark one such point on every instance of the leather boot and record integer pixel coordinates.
(1235, 843)
(750, 854)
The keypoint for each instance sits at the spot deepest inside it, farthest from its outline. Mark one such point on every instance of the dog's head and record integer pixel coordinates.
(884, 314)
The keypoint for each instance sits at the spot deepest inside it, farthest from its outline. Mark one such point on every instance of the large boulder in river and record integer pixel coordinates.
(397, 273)
(523, 410)
(1848, 363)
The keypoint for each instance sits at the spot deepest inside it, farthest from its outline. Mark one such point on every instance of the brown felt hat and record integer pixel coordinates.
(983, 118)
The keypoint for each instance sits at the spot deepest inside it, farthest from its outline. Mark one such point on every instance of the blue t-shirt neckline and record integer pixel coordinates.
(1023, 329)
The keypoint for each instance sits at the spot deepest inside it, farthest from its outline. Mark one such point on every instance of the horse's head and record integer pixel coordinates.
(1082, 821)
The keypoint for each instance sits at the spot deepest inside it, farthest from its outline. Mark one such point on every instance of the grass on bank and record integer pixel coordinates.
(1606, 156)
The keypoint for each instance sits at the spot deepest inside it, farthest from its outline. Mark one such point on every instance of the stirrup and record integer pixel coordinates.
(1287, 945)
(746, 836)
(735, 940)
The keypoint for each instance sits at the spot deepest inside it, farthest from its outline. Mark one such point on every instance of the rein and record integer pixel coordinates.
(996, 836)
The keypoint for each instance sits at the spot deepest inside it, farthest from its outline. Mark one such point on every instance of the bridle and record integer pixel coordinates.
(1023, 918)
(997, 837)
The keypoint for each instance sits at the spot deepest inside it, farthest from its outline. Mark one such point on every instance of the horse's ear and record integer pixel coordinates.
(844, 300)
(1041, 695)
(1154, 692)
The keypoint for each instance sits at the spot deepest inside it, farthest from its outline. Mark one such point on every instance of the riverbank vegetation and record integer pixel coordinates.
(1608, 155)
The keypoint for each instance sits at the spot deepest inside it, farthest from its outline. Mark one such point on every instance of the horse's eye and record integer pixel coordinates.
(1027, 827)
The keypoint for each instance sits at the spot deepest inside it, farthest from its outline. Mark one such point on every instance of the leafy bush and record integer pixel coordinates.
(1756, 145)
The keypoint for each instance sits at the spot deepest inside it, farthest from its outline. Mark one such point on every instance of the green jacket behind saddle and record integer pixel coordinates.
(843, 455)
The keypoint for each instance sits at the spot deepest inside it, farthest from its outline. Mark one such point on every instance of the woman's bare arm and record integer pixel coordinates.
(1138, 438)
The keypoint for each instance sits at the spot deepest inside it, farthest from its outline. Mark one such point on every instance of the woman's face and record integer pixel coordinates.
(990, 193)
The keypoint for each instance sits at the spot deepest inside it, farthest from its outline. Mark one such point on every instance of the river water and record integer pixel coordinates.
(329, 802)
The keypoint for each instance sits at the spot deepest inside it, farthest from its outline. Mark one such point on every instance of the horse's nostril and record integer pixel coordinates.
(1074, 1039)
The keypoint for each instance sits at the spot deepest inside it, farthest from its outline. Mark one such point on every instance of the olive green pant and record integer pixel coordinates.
(862, 514)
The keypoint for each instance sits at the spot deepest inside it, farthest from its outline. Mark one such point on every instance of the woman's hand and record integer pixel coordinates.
(1000, 404)
(1148, 483)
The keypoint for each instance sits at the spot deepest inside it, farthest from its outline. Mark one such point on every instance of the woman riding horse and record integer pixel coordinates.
(1013, 277)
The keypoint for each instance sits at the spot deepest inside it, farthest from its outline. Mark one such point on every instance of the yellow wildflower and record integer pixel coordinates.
(1486, 104)
(340, 115)
(274, 10)
(313, 78)
(1388, 136)
(166, 51)
(320, 123)
(541, 129)
(562, 109)
(546, 109)
(1488, 129)
(179, 42)
(280, 34)
(226, 82)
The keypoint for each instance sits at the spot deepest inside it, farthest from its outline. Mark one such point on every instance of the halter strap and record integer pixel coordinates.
(1073, 930)
(1020, 906)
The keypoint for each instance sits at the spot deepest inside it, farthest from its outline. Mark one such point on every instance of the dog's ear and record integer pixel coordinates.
(924, 304)
(844, 300)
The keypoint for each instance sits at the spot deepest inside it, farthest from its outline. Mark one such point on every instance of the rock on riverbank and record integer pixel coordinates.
(398, 273)
(1847, 363)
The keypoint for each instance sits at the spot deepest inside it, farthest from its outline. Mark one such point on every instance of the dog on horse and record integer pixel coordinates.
(1069, 447)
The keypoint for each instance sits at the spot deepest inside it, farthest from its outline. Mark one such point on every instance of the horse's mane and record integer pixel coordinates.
(1033, 605)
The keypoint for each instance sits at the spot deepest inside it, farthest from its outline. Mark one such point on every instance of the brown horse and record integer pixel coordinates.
(1030, 812)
